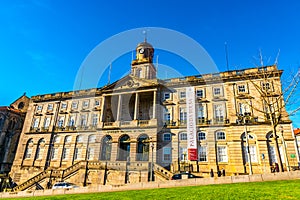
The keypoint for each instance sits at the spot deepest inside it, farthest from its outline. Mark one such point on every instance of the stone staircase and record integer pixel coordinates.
(161, 172)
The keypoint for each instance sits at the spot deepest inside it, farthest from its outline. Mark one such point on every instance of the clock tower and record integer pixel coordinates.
(142, 66)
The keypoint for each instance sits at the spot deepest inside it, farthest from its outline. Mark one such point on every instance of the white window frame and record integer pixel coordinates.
(64, 106)
(39, 108)
(201, 137)
(50, 107)
(183, 136)
(202, 153)
(222, 154)
(220, 136)
(198, 92)
(85, 103)
(74, 105)
(217, 91)
(47, 122)
(167, 94)
(182, 94)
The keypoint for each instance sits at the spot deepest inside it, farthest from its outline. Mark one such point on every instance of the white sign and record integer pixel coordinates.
(191, 123)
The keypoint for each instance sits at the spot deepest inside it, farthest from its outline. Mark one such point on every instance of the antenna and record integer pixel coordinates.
(145, 35)
(226, 54)
(109, 72)
(276, 60)
(156, 65)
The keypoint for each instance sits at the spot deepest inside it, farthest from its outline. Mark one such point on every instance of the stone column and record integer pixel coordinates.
(136, 111)
(154, 105)
(102, 109)
(119, 107)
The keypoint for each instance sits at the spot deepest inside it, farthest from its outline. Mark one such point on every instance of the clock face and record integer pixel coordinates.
(141, 50)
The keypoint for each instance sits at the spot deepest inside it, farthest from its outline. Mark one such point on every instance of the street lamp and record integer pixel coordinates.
(244, 117)
(152, 158)
(284, 148)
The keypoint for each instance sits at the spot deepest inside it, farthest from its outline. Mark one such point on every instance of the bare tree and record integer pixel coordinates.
(274, 99)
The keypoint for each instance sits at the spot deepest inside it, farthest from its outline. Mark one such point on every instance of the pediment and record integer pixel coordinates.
(131, 83)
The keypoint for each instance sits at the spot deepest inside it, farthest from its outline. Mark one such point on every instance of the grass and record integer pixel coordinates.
(255, 190)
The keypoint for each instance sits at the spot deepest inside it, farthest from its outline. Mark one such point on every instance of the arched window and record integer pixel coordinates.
(252, 148)
(68, 139)
(28, 149)
(183, 136)
(79, 139)
(56, 139)
(167, 137)
(143, 148)
(201, 136)
(106, 148)
(220, 135)
(92, 138)
(40, 149)
(124, 148)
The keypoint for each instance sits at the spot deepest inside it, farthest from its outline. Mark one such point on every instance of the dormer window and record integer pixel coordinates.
(167, 96)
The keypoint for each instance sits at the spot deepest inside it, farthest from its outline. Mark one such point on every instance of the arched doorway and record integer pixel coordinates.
(106, 148)
(124, 148)
(143, 148)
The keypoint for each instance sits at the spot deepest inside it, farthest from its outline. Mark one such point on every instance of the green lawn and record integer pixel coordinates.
(257, 190)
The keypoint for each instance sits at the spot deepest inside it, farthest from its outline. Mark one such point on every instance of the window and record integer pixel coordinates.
(39, 108)
(217, 91)
(36, 122)
(50, 107)
(97, 102)
(182, 94)
(92, 139)
(201, 136)
(222, 154)
(219, 112)
(95, 120)
(77, 153)
(253, 154)
(83, 120)
(65, 153)
(167, 137)
(167, 115)
(74, 105)
(167, 96)
(79, 139)
(241, 88)
(200, 112)
(61, 121)
(47, 122)
(183, 153)
(64, 106)
(72, 120)
(199, 93)
(68, 139)
(202, 153)
(182, 115)
(166, 154)
(28, 150)
(91, 153)
(243, 108)
(266, 86)
(221, 135)
(56, 139)
(40, 149)
(85, 104)
(54, 154)
(183, 136)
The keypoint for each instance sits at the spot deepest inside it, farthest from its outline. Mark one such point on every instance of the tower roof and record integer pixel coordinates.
(145, 44)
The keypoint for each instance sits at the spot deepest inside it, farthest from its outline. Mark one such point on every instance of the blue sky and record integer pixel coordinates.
(44, 42)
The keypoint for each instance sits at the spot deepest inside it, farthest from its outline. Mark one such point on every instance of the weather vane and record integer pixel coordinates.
(145, 35)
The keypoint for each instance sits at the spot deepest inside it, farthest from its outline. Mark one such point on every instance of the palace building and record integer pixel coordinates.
(141, 128)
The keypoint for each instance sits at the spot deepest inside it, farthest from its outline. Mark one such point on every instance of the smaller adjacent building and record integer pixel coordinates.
(11, 124)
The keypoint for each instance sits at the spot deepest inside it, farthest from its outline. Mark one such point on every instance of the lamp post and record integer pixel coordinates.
(247, 143)
(152, 158)
(284, 149)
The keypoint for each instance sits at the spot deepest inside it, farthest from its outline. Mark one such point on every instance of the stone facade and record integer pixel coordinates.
(122, 128)
(11, 123)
